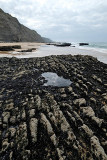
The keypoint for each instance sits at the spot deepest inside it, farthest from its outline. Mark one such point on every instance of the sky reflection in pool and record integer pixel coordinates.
(54, 80)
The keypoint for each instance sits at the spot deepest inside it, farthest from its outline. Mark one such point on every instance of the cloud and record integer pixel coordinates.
(59, 19)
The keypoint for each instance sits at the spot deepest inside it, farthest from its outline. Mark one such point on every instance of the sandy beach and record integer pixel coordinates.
(42, 50)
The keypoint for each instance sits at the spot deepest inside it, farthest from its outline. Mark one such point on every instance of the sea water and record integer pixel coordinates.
(97, 46)
(101, 45)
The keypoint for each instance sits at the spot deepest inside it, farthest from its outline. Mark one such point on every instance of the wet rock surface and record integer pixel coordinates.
(53, 123)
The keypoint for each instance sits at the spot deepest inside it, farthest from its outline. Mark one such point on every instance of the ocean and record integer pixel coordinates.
(97, 46)
(102, 45)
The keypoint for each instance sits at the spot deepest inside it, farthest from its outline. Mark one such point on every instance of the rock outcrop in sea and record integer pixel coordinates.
(50, 122)
(12, 31)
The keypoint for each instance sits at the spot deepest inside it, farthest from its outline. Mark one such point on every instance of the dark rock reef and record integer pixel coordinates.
(53, 123)
(9, 48)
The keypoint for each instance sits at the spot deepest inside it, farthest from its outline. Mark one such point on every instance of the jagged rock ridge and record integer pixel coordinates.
(11, 30)
(53, 123)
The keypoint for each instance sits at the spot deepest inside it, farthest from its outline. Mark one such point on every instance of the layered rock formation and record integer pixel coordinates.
(53, 123)
(12, 31)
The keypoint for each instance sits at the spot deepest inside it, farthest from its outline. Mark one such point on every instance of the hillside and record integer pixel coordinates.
(12, 31)
(47, 40)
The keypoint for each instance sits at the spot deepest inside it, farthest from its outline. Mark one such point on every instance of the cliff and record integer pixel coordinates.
(12, 31)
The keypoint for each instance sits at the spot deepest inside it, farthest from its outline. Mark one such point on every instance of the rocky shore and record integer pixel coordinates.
(40, 122)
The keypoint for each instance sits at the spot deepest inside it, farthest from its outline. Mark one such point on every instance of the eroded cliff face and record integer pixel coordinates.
(11, 30)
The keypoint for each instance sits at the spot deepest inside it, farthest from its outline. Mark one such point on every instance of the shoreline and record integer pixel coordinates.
(42, 50)
(42, 122)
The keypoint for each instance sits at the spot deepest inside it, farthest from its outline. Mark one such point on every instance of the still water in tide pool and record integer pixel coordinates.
(54, 80)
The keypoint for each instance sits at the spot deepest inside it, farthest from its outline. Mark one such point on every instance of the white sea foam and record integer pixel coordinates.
(46, 50)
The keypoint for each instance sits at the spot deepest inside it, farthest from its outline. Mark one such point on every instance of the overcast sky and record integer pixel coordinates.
(62, 20)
